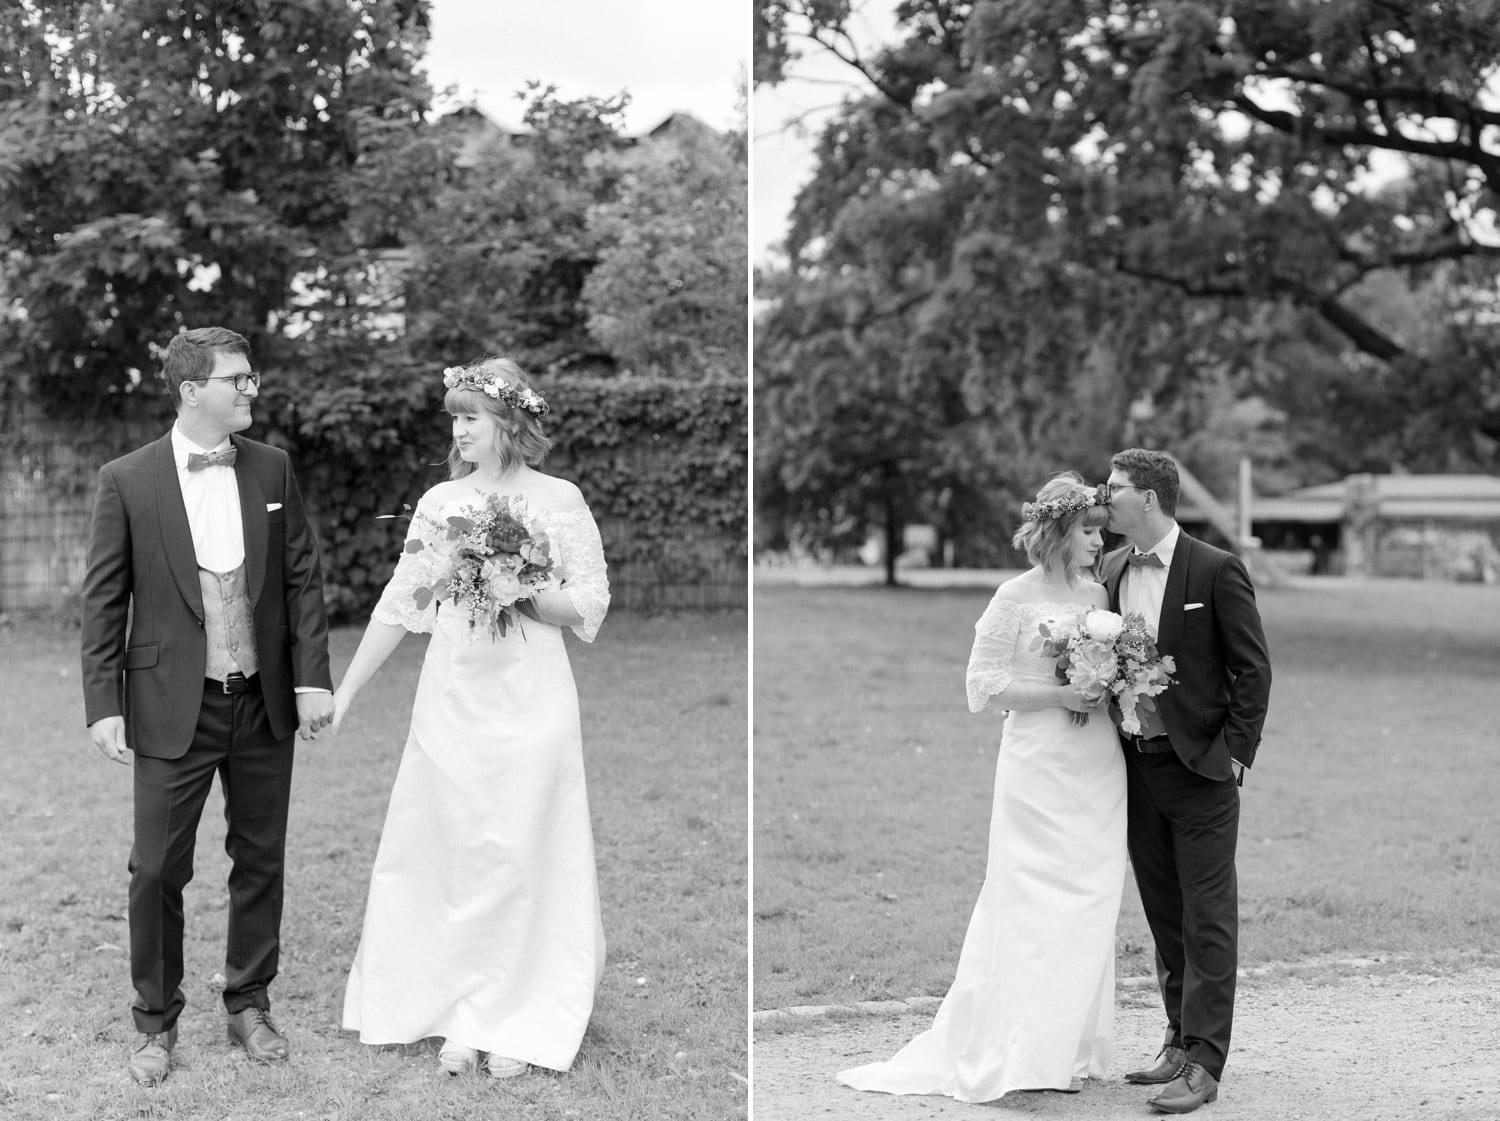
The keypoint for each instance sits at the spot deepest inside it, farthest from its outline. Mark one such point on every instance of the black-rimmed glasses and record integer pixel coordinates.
(1113, 487)
(242, 382)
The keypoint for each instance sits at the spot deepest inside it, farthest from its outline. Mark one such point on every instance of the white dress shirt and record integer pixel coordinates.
(1142, 589)
(212, 498)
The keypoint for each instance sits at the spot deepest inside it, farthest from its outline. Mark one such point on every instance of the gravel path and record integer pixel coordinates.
(1357, 1044)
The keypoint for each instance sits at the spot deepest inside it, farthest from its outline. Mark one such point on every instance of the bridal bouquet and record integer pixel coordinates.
(1102, 653)
(485, 559)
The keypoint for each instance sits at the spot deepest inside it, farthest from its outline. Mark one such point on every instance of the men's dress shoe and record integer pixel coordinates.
(1185, 1093)
(1168, 1063)
(254, 1030)
(153, 1058)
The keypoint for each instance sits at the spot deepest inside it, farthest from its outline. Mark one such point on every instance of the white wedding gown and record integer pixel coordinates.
(483, 922)
(1032, 1003)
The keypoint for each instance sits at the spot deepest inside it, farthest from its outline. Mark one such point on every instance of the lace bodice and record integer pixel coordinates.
(579, 563)
(1003, 641)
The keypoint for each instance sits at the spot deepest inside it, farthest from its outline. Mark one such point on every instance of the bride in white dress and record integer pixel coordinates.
(1032, 1004)
(482, 925)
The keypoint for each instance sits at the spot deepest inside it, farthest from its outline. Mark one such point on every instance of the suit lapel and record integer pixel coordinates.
(253, 518)
(176, 534)
(1114, 568)
(1169, 626)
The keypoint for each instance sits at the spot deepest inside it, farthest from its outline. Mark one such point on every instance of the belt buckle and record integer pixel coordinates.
(236, 682)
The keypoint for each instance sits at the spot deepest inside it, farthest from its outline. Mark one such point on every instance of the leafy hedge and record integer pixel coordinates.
(661, 462)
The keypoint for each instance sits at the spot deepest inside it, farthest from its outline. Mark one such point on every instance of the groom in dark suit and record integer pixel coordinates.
(1186, 765)
(204, 650)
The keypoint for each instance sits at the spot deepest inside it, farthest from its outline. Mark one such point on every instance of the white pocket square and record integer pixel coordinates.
(277, 506)
(1191, 606)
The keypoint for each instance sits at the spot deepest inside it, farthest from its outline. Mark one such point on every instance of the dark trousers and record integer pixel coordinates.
(255, 776)
(1181, 835)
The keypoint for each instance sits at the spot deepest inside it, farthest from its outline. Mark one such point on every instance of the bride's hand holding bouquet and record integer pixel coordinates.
(1103, 656)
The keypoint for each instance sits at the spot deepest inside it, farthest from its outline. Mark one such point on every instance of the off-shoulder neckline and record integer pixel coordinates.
(533, 504)
(1046, 605)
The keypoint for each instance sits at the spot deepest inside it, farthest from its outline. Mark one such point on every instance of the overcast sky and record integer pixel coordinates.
(670, 55)
(787, 118)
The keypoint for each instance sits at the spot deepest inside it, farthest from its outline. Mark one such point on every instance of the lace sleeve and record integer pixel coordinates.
(413, 570)
(994, 651)
(584, 575)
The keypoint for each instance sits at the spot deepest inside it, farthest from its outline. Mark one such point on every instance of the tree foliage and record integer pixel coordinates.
(1251, 224)
(175, 162)
(671, 288)
(501, 257)
(269, 165)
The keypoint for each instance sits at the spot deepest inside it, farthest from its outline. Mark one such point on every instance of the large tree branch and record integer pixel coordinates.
(1450, 251)
(1356, 328)
(1368, 338)
(1294, 125)
(1433, 103)
(1461, 150)
(838, 42)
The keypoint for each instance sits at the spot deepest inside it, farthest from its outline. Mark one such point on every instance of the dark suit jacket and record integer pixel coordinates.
(143, 575)
(1215, 710)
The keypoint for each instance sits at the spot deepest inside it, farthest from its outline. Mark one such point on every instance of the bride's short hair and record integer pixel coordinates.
(521, 438)
(1046, 535)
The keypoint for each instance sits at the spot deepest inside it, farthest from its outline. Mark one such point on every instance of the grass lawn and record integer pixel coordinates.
(663, 702)
(1368, 825)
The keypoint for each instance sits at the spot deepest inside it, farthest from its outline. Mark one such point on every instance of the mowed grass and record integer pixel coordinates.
(1369, 825)
(663, 702)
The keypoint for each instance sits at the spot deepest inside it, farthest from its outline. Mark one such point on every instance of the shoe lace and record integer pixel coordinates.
(259, 1016)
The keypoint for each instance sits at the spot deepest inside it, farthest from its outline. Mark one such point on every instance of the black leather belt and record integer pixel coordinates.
(236, 682)
(1153, 746)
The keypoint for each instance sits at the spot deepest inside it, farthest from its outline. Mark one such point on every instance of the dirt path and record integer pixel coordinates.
(1377, 1046)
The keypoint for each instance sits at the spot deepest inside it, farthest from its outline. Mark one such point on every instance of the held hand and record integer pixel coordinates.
(314, 713)
(108, 735)
(1074, 701)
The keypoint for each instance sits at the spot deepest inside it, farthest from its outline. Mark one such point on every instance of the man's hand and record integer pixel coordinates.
(314, 713)
(108, 735)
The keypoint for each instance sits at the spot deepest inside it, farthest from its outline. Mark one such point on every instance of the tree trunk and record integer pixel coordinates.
(892, 526)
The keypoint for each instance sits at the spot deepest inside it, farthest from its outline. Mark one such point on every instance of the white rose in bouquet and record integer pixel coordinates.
(1103, 626)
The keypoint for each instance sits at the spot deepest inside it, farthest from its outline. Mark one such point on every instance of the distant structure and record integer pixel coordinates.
(1435, 527)
(479, 134)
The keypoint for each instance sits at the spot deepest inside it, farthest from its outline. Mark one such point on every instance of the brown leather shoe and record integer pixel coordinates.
(1185, 1093)
(1169, 1062)
(153, 1059)
(254, 1030)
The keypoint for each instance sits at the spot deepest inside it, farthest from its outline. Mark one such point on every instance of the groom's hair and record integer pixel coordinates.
(190, 356)
(1151, 470)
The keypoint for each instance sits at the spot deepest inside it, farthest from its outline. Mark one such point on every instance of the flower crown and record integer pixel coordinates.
(492, 385)
(1068, 504)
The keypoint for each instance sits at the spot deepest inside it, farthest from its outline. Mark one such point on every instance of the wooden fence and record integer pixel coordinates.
(47, 478)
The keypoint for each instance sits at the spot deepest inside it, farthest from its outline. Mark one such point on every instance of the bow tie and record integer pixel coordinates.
(197, 461)
(1143, 560)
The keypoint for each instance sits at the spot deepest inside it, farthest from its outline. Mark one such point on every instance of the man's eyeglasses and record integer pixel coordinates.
(1114, 487)
(242, 382)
